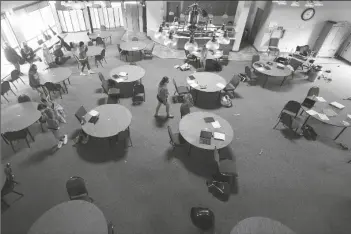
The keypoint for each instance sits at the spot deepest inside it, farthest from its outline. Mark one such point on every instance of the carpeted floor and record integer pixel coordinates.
(150, 189)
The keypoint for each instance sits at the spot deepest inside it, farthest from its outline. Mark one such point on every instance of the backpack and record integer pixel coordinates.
(309, 133)
(226, 101)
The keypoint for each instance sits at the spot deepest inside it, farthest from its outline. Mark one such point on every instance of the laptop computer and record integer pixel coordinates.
(205, 137)
(309, 103)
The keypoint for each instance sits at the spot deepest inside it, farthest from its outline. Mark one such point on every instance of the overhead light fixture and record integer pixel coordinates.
(191, 45)
(309, 4)
(295, 4)
(282, 2)
(318, 3)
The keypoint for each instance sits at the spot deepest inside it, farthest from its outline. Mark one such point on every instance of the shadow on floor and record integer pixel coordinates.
(38, 157)
(160, 121)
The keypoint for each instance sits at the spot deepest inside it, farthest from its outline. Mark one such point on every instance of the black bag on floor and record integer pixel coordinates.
(309, 133)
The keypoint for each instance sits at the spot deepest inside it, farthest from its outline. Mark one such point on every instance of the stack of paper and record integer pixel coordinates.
(337, 105)
(323, 117)
(123, 74)
(219, 136)
(93, 113)
(346, 123)
(216, 124)
(349, 116)
(320, 99)
(220, 85)
(312, 112)
(119, 80)
(135, 48)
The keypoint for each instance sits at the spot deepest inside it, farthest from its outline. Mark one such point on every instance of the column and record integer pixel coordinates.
(241, 15)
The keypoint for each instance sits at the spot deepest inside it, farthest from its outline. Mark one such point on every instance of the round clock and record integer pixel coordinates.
(308, 14)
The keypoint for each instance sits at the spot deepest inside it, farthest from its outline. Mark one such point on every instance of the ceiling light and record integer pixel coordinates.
(295, 4)
(309, 4)
(318, 3)
(282, 2)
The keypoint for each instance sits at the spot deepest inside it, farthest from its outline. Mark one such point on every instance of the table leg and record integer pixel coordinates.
(265, 82)
(195, 96)
(30, 134)
(189, 149)
(283, 81)
(64, 83)
(219, 96)
(3, 137)
(340, 133)
(304, 123)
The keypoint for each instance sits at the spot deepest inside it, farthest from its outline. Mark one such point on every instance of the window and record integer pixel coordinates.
(7, 33)
(68, 21)
(75, 21)
(47, 15)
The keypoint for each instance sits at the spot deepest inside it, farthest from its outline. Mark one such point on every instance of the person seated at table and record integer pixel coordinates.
(60, 58)
(12, 56)
(48, 57)
(28, 54)
(57, 108)
(162, 96)
(83, 58)
(34, 79)
(53, 124)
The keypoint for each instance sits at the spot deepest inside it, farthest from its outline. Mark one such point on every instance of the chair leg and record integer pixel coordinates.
(101, 63)
(27, 142)
(3, 137)
(30, 134)
(22, 80)
(13, 92)
(60, 94)
(6, 98)
(276, 125)
(13, 148)
(14, 85)
(69, 82)
(130, 139)
(3, 201)
(189, 149)
(21, 194)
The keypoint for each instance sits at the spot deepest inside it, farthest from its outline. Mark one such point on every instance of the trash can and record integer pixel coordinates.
(314, 73)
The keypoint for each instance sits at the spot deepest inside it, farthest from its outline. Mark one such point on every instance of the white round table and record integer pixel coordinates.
(133, 46)
(102, 34)
(55, 75)
(94, 50)
(274, 71)
(134, 73)
(260, 225)
(71, 217)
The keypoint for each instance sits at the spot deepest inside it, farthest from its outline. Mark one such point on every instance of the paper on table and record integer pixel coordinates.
(312, 112)
(323, 116)
(123, 73)
(337, 105)
(260, 68)
(135, 48)
(119, 80)
(93, 113)
(320, 99)
(346, 123)
(220, 85)
(219, 136)
(216, 124)
(349, 116)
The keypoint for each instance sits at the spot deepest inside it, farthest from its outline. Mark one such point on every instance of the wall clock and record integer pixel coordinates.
(308, 14)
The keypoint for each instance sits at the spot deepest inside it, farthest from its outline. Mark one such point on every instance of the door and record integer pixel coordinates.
(256, 25)
(132, 17)
(322, 36)
(346, 52)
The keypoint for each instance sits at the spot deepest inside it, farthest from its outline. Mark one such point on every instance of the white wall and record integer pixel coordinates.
(299, 32)
(154, 16)
(242, 12)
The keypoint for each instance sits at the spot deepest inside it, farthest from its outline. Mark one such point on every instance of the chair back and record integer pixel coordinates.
(138, 88)
(202, 218)
(15, 74)
(101, 77)
(175, 85)
(313, 91)
(5, 87)
(286, 119)
(294, 63)
(23, 98)
(235, 81)
(14, 136)
(80, 113)
(292, 106)
(273, 42)
(76, 187)
(135, 39)
(184, 109)
(99, 41)
(255, 58)
(281, 60)
(248, 72)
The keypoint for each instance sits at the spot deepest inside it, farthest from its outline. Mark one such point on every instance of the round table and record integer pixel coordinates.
(78, 217)
(56, 75)
(19, 116)
(273, 72)
(102, 34)
(260, 225)
(207, 82)
(337, 120)
(113, 118)
(94, 50)
(133, 46)
(190, 127)
(134, 73)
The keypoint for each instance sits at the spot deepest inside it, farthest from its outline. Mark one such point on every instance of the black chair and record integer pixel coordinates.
(77, 190)
(9, 187)
(148, 52)
(184, 109)
(80, 113)
(190, 57)
(90, 43)
(135, 39)
(313, 91)
(281, 60)
(252, 77)
(100, 57)
(273, 46)
(202, 218)
(255, 58)
(51, 87)
(5, 87)
(15, 75)
(138, 93)
(291, 108)
(295, 65)
(121, 52)
(180, 89)
(233, 84)
(111, 228)
(23, 98)
(125, 135)
(174, 138)
(15, 136)
(286, 120)
(99, 41)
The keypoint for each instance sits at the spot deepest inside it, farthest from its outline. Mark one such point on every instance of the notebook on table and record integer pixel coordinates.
(309, 103)
(337, 105)
(209, 119)
(219, 136)
(205, 137)
(191, 77)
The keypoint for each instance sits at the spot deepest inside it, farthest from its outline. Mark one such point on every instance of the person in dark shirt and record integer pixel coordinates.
(12, 56)
(60, 59)
(28, 54)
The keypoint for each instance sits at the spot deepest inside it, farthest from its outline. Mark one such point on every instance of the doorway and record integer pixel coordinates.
(255, 25)
(132, 17)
